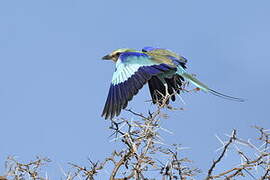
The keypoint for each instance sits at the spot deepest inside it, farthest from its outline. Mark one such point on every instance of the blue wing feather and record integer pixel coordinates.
(133, 70)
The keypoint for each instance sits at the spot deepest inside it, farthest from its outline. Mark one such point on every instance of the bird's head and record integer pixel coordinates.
(116, 53)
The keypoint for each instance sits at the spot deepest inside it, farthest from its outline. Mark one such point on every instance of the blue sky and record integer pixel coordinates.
(53, 83)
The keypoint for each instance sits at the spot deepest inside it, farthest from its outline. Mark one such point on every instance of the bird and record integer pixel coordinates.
(163, 70)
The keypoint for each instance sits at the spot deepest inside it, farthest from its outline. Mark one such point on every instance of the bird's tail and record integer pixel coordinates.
(205, 88)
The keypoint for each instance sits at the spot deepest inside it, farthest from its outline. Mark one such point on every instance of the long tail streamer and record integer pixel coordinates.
(203, 87)
(215, 93)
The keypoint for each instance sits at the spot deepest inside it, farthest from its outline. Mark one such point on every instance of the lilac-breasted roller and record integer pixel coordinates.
(163, 70)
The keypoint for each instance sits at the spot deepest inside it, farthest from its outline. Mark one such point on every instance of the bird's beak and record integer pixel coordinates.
(107, 57)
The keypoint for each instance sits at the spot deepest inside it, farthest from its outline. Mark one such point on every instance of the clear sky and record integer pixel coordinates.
(53, 83)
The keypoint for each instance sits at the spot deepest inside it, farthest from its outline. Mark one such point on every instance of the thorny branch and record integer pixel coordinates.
(19, 171)
(145, 155)
(143, 146)
(253, 163)
(215, 162)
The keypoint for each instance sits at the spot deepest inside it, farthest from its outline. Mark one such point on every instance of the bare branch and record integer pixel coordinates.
(215, 162)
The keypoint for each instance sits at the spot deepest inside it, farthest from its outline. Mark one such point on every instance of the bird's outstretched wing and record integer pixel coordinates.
(133, 70)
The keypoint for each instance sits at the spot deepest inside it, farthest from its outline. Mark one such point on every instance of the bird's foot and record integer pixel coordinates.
(193, 90)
